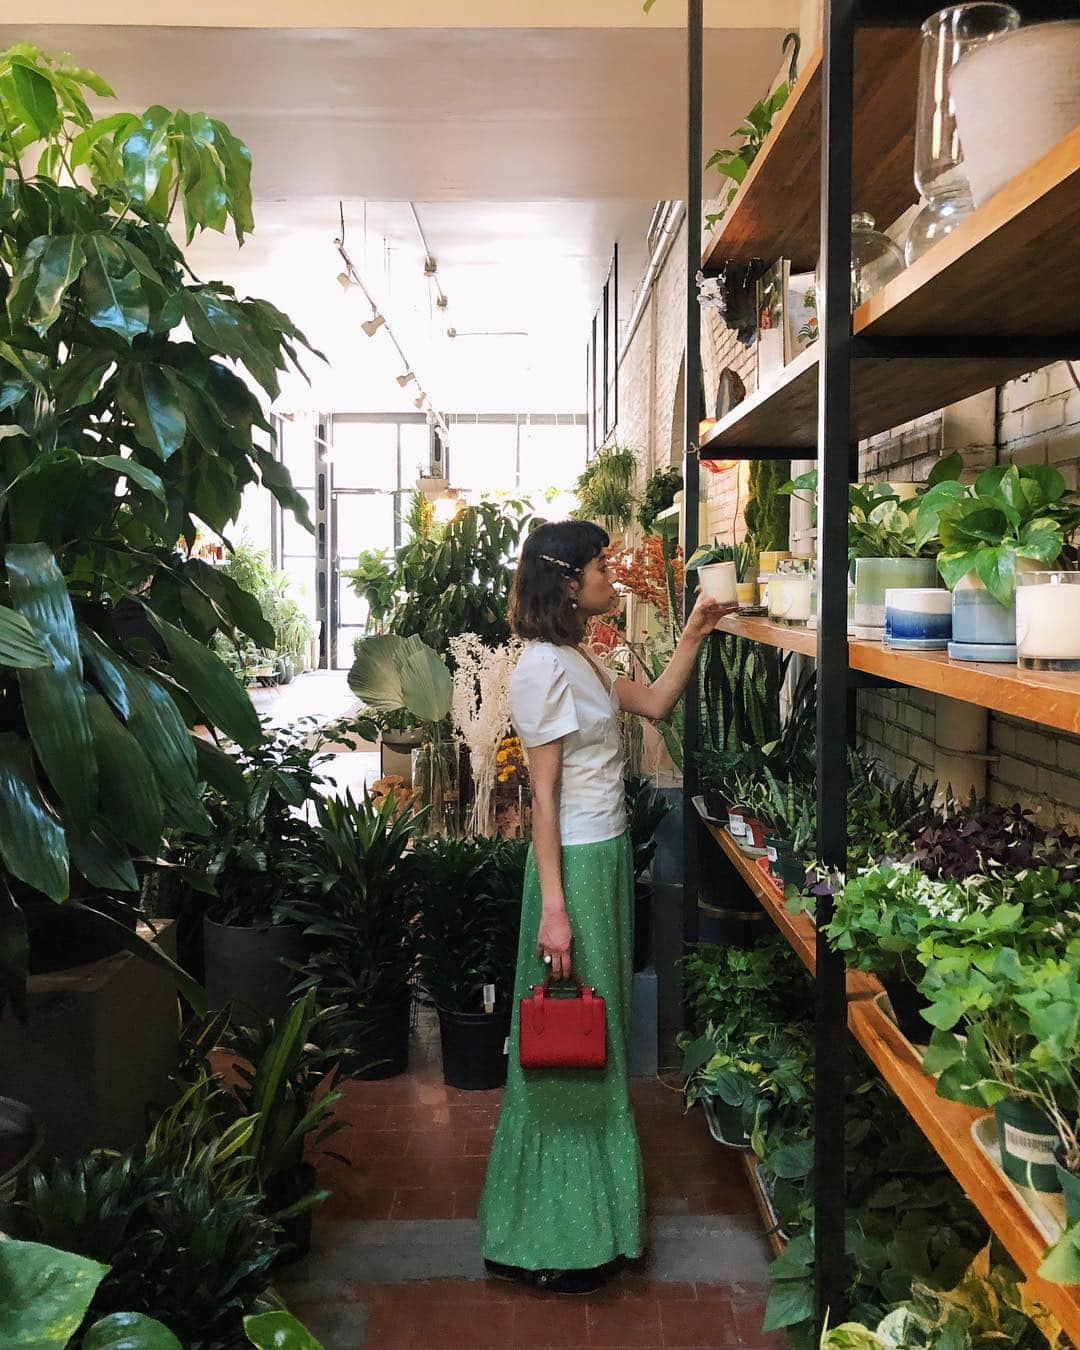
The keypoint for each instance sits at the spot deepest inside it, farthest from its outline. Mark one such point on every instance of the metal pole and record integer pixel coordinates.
(691, 486)
(834, 443)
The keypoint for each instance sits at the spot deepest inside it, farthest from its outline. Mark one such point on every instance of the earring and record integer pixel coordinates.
(573, 604)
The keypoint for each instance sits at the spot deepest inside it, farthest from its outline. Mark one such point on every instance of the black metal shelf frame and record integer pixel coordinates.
(837, 462)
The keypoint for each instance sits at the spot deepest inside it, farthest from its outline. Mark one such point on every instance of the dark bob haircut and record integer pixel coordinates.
(540, 598)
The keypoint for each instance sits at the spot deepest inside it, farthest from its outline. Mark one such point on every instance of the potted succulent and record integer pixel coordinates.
(467, 942)
(360, 913)
(646, 808)
(1008, 521)
(791, 814)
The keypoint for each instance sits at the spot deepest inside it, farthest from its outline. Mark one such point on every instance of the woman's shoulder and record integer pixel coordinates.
(536, 656)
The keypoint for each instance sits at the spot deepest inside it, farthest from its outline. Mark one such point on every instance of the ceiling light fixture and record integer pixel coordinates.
(449, 504)
(501, 332)
(419, 402)
(431, 267)
(349, 279)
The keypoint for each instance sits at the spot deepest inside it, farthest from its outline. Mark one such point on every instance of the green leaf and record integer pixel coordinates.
(276, 477)
(1041, 540)
(126, 467)
(103, 865)
(790, 1302)
(61, 262)
(31, 838)
(19, 645)
(44, 1294)
(931, 504)
(220, 770)
(150, 400)
(972, 520)
(279, 1331)
(112, 292)
(1051, 483)
(145, 154)
(84, 142)
(996, 569)
(211, 685)
(129, 1331)
(426, 685)
(52, 697)
(947, 469)
(1061, 1265)
(954, 564)
(37, 99)
(240, 607)
(375, 676)
(130, 799)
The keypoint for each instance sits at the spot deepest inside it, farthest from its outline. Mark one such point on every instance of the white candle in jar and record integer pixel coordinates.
(718, 581)
(1048, 617)
(789, 596)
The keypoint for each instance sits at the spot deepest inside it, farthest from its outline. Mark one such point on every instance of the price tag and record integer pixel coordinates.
(506, 1046)
(489, 998)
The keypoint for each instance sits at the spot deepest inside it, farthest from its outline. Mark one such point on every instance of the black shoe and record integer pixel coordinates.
(585, 1281)
(515, 1273)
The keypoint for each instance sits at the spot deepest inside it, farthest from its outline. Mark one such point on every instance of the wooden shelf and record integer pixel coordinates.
(798, 929)
(776, 211)
(1052, 700)
(947, 1125)
(1010, 270)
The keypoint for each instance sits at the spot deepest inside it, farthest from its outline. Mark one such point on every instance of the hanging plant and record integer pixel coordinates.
(605, 491)
(659, 494)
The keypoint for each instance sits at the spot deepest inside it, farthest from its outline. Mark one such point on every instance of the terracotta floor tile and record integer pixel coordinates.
(445, 1142)
(375, 1144)
(466, 1201)
(422, 1202)
(555, 1321)
(625, 1323)
(704, 1325)
(478, 1141)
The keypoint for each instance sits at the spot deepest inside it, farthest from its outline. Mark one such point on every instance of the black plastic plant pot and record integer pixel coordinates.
(63, 937)
(777, 848)
(730, 927)
(715, 804)
(472, 1048)
(792, 872)
(907, 1004)
(245, 966)
(283, 1191)
(1028, 1142)
(644, 894)
(1070, 1186)
(380, 1044)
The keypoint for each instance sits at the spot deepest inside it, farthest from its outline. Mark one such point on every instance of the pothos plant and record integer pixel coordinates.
(880, 525)
(120, 436)
(988, 528)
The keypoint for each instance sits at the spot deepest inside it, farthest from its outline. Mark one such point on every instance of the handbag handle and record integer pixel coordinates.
(540, 993)
(572, 976)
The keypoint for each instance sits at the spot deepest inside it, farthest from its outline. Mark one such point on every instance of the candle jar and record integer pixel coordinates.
(769, 558)
(790, 593)
(1048, 620)
(718, 581)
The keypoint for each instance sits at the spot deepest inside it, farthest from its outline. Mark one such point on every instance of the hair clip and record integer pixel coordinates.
(559, 562)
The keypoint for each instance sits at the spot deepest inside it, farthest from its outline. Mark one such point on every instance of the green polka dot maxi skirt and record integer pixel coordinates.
(565, 1188)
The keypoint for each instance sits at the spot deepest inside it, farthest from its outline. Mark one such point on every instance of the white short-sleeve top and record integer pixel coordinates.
(556, 692)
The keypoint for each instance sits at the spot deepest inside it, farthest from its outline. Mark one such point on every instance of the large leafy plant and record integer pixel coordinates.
(605, 488)
(987, 527)
(880, 525)
(120, 434)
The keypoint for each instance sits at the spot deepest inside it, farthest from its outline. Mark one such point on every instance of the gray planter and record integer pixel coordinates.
(244, 966)
(983, 628)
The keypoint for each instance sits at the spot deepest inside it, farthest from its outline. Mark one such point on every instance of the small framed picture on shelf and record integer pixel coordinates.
(801, 315)
(771, 307)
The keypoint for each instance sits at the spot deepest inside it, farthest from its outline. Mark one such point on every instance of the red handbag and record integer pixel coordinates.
(563, 1033)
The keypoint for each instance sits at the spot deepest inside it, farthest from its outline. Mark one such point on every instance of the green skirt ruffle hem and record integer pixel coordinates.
(565, 1188)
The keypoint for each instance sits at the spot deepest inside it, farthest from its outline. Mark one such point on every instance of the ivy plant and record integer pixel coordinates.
(125, 426)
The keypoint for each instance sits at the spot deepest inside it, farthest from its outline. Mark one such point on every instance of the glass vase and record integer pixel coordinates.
(435, 775)
(939, 172)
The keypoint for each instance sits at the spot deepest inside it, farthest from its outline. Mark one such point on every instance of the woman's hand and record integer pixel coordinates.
(705, 615)
(554, 937)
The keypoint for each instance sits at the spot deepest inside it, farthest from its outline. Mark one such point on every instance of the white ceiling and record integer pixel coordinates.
(529, 152)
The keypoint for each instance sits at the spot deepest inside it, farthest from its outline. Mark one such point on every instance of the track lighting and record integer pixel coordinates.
(405, 379)
(431, 417)
(345, 281)
(419, 402)
(371, 326)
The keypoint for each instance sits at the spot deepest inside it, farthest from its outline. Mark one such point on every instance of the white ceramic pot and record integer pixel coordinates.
(1015, 98)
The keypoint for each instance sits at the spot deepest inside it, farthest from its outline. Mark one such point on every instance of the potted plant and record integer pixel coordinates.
(393, 674)
(470, 915)
(50, 1292)
(791, 814)
(660, 493)
(717, 564)
(1008, 521)
(884, 548)
(646, 808)
(252, 870)
(605, 490)
(361, 916)
(374, 581)
(113, 426)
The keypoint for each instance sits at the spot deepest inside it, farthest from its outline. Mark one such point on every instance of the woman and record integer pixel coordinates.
(564, 1198)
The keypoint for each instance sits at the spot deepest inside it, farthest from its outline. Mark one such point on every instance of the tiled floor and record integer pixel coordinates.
(396, 1263)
